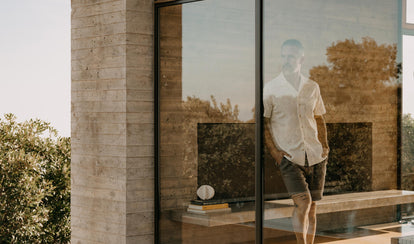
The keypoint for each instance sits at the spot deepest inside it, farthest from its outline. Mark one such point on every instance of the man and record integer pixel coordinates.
(295, 134)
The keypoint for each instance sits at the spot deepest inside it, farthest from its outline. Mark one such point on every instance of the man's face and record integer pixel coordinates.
(292, 59)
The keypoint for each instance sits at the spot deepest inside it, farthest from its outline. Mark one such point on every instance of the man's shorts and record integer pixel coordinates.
(299, 179)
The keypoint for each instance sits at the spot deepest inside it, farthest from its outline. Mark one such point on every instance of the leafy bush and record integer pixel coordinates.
(226, 158)
(35, 183)
(407, 152)
(350, 158)
(366, 65)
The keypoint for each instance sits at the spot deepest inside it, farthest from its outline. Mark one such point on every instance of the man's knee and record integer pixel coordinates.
(302, 201)
(312, 211)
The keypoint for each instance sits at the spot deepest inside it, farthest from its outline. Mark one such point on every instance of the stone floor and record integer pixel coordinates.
(375, 234)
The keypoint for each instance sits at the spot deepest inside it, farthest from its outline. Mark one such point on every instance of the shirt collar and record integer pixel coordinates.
(303, 80)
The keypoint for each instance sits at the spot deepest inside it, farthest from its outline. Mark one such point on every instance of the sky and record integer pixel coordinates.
(35, 61)
(218, 42)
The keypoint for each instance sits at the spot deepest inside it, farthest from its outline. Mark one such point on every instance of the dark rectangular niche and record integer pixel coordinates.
(226, 160)
(350, 159)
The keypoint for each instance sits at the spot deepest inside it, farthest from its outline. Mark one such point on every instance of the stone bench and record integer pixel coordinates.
(283, 208)
(402, 240)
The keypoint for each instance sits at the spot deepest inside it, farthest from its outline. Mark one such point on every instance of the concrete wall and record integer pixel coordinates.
(379, 107)
(112, 121)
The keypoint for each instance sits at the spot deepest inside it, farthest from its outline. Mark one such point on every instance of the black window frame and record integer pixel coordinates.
(259, 160)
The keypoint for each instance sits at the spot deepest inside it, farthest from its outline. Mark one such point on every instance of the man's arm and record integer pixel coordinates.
(322, 134)
(271, 145)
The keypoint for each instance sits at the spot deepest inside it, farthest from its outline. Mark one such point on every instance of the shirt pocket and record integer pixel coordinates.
(307, 105)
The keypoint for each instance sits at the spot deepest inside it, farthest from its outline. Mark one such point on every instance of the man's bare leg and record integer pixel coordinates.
(310, 237)
(300, 216)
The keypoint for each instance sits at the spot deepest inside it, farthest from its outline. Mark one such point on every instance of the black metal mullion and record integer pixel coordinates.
(399, 107)
(157, 202)
(259, 203)
(178, 2)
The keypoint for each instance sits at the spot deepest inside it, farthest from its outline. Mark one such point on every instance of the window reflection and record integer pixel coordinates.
(295, 134)
(407, 130)
(207, 132)
(351, 53)
(360, 83)
(207, 125)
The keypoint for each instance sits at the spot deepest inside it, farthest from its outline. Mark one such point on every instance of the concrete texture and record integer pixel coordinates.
(112, 121)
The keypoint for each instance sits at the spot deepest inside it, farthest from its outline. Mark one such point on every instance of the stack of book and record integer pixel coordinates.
(206, 208)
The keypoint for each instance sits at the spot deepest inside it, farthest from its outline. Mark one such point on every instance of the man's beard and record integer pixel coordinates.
(287, 68)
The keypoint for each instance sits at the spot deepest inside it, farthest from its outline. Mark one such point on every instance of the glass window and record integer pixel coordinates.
(408, 119)
(331, 74)
(207, 130)
(333, 154)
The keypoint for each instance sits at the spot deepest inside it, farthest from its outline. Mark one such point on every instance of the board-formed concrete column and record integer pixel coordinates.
(112, 121)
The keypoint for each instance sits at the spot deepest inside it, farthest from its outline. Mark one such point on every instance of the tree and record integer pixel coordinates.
(353, 64)
(34, 183)
(211, 110)
(359, 84)
(407, 152)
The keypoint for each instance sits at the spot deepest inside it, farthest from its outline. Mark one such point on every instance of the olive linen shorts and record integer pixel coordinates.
(299, 179)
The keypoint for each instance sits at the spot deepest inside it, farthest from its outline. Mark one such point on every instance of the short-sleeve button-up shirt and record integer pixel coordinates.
(292, 118)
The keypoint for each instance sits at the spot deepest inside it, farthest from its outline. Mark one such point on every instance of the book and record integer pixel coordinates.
(197, 211)
(206, 202)
(208, 207)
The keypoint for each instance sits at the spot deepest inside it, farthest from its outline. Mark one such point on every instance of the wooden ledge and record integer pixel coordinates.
(359, 200)
(283, 208)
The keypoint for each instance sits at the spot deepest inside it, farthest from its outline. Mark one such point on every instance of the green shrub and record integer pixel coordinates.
(407, 156)
(35, 183)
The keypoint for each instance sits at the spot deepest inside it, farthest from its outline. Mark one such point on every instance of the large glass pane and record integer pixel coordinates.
(330, 67)
(409, 11)
(206, 122)
(407, 157)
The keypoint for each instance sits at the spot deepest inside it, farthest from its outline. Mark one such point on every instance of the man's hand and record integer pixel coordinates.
(322, 134)
(278, 155)
(271, 145)
(325, 152)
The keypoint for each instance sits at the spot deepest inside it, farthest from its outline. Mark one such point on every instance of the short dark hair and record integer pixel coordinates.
(294, 43)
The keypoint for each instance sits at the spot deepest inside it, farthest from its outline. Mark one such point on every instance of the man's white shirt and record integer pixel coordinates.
(292, 118)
